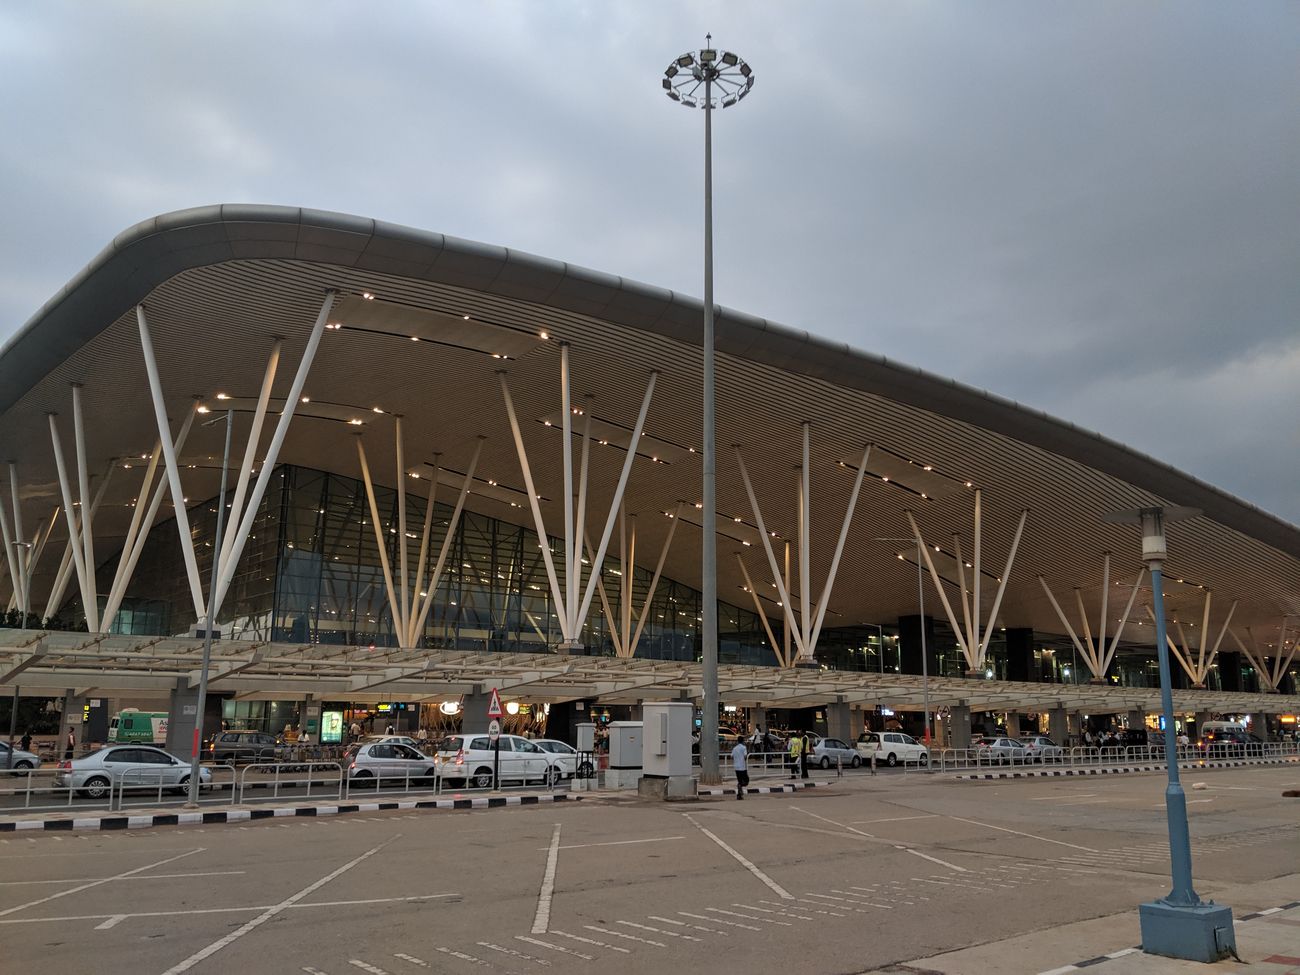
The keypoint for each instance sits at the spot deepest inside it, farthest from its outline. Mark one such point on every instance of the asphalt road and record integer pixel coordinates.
(864, 874)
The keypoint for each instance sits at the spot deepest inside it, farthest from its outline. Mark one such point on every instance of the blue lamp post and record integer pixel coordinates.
(1179, 925)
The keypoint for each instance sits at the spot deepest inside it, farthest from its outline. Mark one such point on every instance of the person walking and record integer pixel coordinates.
(803, 755)
(796, 749)
(356, 730)
(739, 762)
(71, 744)
(25, 743)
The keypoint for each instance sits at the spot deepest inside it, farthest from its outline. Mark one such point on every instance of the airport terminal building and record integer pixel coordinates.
(433, 441)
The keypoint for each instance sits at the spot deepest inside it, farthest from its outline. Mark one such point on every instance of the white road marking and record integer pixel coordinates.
(271, 912)
(780, 891)
(412, 959)
(718, 920)
(767, 910)
(625, 937)
(312, 971)
(656, 839)
(860, 832)
(808, 910)
(588, 941)
(96, 883)
(893, 819)
(653, 930)
(1073, 846)
(560, 948)
(366, 967)
(844, 905)
(864, 900)
(112, 922)
(152, 876)
(462, 955)
(683, 924)
(542, 919)
(926, 856)
(748, 917)
(1080, 795)
(514, 954)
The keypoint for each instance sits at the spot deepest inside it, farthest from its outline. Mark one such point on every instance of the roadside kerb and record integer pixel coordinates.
(1117, 769)
(757, 790)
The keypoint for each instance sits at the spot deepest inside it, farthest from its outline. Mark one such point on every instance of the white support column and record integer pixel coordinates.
(618, 497)
(173, 469)
(412, 635)
(557, 595)
(1087, 627)
(129, 559)
(614, 635)
(1265, 676)
(839, 549)
(566, 431)
(1282, 662)
(403, 627)
(786, 608)
(88, 600)
(1203, 665)
(435, 578)
(975, 608)
(60, 586)
(1084, 652)
(1173, 648)
(654, 584)
(1214, 651)
(1123, 620)
(393, 606)
(11, 558)
(34, 555)
(250, 449)
(581, 519)
(87, 515)
(1105, 602)
(972, 638)
(137, 517)
(22, 581)
(227, 574)
(781, 658)
(1002, 585)
(805, 555)
(943, 596)
(785, 623)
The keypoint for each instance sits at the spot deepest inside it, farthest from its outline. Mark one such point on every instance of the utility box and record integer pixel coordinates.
(625, 739)
(666, 761)
(586, 737)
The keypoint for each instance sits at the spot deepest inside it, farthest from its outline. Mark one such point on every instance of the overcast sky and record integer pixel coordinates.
(1092, 208)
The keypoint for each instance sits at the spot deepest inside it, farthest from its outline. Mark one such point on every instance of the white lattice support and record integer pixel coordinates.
(1002, 585)
(1214, 651)
(787, 609)
(571, 565)
(557, 594)
(291, 402)
(618, 496)
(89, 601)
(404, 604)
(609, 616)
(943, 596)
(34, 554)
(422, 564)
(60, 585)
(580, 520)
(785, 625)
(839, 548)
(130, 557)
(1257, 662)
(1123, 620)
(22, 582)
(1282, 662)
(1202, 664)
(435, 578)
(1085, 652)
(1173, 648)
(1083, 618)
(805, 543)
(12, 558)
(1105, 603)
(654, 584)
(781, 658)
(972, 633)
(381, 542)
(976, 570)
(173, 468)
(250, 448)
(83, 491)
(1186, 648)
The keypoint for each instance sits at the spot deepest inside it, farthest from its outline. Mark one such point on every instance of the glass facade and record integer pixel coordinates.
(311, 573)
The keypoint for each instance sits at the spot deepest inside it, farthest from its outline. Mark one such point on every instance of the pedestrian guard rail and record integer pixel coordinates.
(1084, 756)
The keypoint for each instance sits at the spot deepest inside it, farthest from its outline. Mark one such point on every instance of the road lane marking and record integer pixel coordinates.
(926, 856)
(542, 919)
(625, 937)
(893, 819)
(1004, 829)
(718, 920)
(863, 899)
(683, 924)
(653, 930)
(271, 912)
(112, 922)
(748, 917)
(412, 959)
(514, 954)
(560, 948)
(584, 846)
(860, 832)
(588, 941)
(1080, 795)
(365, 966)
(96, 883)
(152, 876)
(462, 955)
(780, 891)
(312, 971)
(768, 910)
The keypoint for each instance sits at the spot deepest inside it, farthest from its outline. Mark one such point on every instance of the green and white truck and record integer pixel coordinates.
(132, 725)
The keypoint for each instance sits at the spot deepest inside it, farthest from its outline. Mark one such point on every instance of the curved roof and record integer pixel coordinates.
(220, 279)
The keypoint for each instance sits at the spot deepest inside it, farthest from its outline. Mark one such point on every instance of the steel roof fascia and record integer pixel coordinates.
(643, 306)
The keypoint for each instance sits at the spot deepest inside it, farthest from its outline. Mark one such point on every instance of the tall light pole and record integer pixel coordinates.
(690, 80)
(925, 662)
(197, 748)
(1180, 925)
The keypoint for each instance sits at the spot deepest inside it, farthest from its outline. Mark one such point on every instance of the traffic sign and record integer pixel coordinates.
(494, 705)
(494, 730)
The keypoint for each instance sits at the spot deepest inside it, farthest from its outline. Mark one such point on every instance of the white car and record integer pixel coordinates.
(1040, 748)
(892, 748)
(141, 767)
(469, 758)
(826, 752)
(388, 762)
(566, 756)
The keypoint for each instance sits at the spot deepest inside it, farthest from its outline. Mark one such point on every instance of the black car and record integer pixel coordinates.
(1230, 744)
(233, 747)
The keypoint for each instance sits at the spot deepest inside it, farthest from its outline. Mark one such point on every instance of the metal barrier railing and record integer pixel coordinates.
(1085, 756)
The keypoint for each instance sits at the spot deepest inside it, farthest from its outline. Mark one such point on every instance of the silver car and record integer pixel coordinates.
(567, 757)
(388, 762)
(127, 767)
(16, 760)
(1004, 751)
(1040, 748)
(827, 752)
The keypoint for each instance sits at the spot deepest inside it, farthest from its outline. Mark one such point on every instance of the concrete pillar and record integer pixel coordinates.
(959, 726)
(182, 717)
(1074, 725)
(909, 644)
(309, 718)
(1259, 726)
(473, 715)
(70, 718)
(1020, 653)
(635, 712)
(1013, 724)
(1137, 719)
(1058, 726)
(1201, 718)
(839, 723)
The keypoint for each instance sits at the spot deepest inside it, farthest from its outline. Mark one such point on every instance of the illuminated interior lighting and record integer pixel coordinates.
(222, 396)
(355, 422)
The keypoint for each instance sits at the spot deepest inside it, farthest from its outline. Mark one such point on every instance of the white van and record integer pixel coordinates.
(1208, 726)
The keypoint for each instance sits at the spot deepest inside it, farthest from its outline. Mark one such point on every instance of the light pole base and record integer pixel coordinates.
(1202, 933)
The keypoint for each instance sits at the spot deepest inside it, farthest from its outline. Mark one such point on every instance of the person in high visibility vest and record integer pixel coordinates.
(796, 750)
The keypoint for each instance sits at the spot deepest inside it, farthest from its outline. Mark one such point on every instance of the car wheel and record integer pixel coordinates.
(362, 779)
(825, 763)
(892, 760)
(482, 779)
(96, 787)
(855, 762)
(924, 759)
(22, 768)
